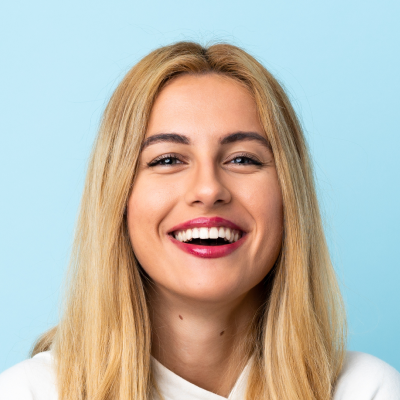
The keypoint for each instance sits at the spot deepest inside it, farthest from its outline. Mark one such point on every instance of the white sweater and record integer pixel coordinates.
(363, 377)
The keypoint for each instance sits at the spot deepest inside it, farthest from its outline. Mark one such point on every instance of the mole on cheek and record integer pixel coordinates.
(221, 333)
(180, 317)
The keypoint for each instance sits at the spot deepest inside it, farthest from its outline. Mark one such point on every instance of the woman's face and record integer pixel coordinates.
(206, 170)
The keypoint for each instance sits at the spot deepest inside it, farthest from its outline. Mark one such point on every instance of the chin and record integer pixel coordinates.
(218, 291)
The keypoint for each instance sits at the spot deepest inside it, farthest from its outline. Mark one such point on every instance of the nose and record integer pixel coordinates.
(206, 189)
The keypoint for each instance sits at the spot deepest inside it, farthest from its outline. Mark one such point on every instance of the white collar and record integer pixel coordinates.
(173, 387)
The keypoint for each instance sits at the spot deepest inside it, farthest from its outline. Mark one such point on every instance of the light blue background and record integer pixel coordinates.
(60, 61)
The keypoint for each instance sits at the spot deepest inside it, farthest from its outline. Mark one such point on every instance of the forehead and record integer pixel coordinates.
(199, 104)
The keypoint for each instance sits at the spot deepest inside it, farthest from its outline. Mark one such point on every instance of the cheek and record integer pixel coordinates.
(263, 199)
(264, 202)
(148, 205)
(270, 211)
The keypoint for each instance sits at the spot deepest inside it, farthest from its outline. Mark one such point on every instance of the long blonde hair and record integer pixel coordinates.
(102, 344)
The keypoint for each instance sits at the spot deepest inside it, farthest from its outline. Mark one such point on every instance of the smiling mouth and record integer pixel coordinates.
(204, 236)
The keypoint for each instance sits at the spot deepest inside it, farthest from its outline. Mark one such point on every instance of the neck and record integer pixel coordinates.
(207, 344)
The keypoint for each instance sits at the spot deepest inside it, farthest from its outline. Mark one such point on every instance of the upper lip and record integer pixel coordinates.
(205, 222)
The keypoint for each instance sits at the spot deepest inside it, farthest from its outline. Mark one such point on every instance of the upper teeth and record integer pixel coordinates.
(231, 235)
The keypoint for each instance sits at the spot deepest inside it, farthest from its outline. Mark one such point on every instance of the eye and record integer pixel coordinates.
(245, 160)
(165, 160)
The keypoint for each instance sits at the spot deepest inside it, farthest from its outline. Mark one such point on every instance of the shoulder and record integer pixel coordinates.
(365, 377)
(32, 379)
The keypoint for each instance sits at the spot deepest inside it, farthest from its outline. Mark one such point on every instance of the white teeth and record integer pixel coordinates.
(195, 233)
(203, 233)
(213, 233)
(228, 234)
(180, 236)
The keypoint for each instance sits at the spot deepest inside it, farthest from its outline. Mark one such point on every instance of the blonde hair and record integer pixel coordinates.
(102, 344)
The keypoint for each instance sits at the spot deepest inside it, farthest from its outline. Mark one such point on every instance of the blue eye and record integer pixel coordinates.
(165, 160)
(244, 160)
(170, 160)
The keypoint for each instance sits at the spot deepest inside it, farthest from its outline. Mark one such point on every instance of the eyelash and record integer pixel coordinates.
(254, 160)
(157, 161)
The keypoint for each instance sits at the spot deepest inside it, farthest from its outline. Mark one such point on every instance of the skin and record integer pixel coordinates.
(201, 308)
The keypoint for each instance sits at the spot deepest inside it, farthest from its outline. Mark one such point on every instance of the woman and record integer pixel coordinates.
(200, 268)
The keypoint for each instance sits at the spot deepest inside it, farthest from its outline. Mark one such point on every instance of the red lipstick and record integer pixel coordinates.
(208, 251)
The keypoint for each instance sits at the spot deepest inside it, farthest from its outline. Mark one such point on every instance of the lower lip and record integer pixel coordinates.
(208, 251)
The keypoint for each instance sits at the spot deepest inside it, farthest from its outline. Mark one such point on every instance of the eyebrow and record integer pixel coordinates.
(182, 139)
(245, 136)
(165, 137)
